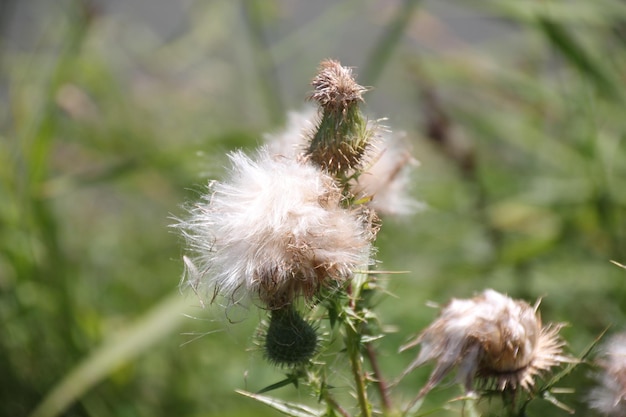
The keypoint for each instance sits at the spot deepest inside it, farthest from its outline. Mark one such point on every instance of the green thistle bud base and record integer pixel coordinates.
(290, 340)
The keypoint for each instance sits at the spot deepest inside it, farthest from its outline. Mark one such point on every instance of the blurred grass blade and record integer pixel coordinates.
(578, 56)
(269, 85)
(129, 343)
(314, 31)
(379, 56)
(285, 407)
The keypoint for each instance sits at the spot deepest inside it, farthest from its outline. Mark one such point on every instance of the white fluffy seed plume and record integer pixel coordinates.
(293, 140)
(491, 338)
(386, 179)
(609, 396)
(273, 230)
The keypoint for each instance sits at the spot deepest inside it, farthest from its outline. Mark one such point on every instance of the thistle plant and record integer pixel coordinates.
(291, 230)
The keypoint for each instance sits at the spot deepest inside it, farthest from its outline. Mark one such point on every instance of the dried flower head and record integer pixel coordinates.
(609, 396)
(273, 230)
(334, 86)
(492, 338)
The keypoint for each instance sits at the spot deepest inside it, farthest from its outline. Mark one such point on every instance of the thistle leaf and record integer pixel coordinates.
(285, 407)
(291, 379)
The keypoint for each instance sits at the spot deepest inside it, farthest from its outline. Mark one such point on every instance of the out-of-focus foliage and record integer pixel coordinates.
(107, 125)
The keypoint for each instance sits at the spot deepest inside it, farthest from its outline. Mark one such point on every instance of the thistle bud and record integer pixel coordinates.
(289, 340)
(343, 135)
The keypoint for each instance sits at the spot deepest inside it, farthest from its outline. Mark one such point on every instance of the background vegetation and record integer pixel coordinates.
(108, 125)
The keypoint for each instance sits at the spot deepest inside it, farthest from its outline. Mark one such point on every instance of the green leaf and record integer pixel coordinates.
(285, 407)
(333, 314)
(291, 379)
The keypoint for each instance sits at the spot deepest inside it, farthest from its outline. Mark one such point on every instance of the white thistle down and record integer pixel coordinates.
(490, 337)
(272, 231)
(386, 179)
(293, 140)
(609, 396)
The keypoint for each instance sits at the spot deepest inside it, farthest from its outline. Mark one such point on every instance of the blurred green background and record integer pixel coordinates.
(114, 114)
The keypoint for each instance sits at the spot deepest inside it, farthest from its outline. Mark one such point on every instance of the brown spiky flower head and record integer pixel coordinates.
(335, 87)
(343, 134)
(491, 339)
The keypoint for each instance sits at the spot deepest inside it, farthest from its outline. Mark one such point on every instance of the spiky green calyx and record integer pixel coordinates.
(290, 340)
(342, 136)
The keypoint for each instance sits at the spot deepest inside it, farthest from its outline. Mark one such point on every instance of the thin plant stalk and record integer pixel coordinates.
(330, 400)
(356, 363)
(383, 388)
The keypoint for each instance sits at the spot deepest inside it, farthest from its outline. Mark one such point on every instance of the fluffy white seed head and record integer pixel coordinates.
(609, 396)
(386, 179)
(272, 231)
(492, 338)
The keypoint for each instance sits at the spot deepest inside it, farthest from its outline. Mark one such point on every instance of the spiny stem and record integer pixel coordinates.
(383, 388)
(352, 346)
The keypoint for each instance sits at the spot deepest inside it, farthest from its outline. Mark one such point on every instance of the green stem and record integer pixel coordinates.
(356, 362)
